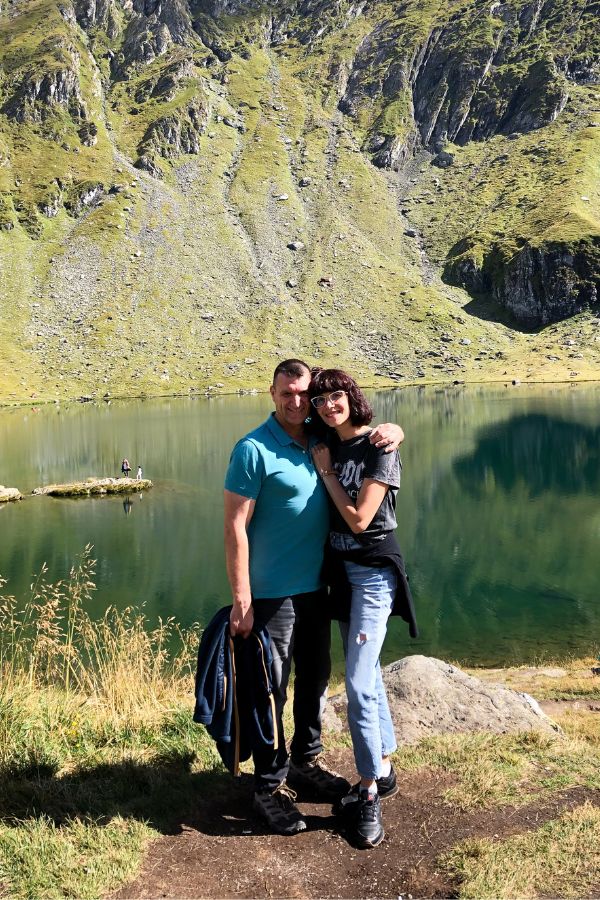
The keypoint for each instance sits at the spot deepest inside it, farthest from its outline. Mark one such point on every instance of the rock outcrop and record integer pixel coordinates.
(537, 285)
(97, 14)
(428, 696)
(175, 134)
(9, 494)
(37, 94)
(95, 486)
(154, 27)
(83, 195)
(165, 84)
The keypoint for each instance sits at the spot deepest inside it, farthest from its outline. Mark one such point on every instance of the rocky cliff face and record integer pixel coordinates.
(472, 125)
(538, 285)
(35, 93)
(543, 284)
(174, 135)
(153, 27)
(486, 70)
(95, 14)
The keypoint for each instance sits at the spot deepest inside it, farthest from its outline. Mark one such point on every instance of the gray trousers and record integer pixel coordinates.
(300, 632)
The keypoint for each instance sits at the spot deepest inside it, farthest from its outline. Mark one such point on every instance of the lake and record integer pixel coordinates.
(499, 512)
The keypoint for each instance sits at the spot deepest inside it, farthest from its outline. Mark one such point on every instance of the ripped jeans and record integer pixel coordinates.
(369, 716)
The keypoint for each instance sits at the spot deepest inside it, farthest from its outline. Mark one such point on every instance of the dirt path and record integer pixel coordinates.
(222, 850)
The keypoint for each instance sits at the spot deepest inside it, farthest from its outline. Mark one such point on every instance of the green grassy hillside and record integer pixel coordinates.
(437, 162)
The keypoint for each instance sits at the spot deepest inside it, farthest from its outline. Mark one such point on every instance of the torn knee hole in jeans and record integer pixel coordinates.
(361, 638)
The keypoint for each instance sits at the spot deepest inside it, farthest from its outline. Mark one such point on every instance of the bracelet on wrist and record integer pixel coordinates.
(324, 472)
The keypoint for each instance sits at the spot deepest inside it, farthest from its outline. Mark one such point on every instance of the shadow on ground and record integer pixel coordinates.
(211, 845)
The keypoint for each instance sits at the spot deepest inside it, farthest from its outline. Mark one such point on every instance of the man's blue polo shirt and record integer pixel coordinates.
(290, 523)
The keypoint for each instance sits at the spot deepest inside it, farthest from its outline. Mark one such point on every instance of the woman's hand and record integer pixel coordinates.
(322, 459)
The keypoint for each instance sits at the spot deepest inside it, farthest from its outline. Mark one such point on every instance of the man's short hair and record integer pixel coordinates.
(291, 368)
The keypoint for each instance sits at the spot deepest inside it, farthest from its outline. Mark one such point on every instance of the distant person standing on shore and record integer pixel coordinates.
(125, 468)
(139, 474)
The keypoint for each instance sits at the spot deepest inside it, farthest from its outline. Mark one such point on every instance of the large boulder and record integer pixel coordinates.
(428, 696)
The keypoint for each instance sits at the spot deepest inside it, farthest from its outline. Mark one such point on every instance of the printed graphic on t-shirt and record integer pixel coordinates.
(351, 476)
(355, 460)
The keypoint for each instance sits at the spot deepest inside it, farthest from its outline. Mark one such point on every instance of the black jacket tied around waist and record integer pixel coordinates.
(376, 554)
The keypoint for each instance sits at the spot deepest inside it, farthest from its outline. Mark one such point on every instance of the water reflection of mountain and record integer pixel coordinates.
(541, 452)
(514, 524)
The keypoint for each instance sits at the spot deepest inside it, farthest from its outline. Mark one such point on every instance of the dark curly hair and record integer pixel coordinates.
(325, 381)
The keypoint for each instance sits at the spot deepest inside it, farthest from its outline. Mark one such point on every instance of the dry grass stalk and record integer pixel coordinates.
(117, 662)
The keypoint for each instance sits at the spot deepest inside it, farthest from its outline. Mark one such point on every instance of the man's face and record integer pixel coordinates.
(290, 396)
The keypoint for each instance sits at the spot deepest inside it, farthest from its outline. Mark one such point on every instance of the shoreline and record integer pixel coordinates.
(208, 394)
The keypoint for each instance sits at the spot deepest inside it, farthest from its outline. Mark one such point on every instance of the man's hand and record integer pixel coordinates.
(388, 435)
(241, 620)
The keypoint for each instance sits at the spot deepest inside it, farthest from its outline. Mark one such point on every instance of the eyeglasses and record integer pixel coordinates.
(320, 401)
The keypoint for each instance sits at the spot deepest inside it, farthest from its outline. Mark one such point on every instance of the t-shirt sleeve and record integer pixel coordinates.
(382, 466)
(246, 470)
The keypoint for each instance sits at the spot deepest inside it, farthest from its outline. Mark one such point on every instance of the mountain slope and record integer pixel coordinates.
(189, 190)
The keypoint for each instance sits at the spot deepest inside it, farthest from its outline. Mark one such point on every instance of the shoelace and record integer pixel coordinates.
(368, 811)
(322, 771)
(286, 794)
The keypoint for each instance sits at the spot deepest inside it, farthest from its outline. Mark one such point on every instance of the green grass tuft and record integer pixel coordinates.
(493, 770)
(560, 859)
(77, 858)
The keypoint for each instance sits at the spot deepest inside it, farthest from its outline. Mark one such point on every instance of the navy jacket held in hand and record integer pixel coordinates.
(234, 697)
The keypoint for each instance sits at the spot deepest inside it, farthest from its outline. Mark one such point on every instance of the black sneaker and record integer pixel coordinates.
(387, 787)
(279, 810)
(367, 828)
(316, 778)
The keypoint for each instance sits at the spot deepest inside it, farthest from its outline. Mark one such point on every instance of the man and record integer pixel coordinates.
(276, 525)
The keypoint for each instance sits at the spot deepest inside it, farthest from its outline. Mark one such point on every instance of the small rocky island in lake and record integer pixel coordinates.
(7, 494)
(95, 486)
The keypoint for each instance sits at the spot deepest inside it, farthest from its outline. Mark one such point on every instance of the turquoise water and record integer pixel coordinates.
(499, 513)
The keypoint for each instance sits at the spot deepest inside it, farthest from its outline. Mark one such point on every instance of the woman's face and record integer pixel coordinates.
(335, 411)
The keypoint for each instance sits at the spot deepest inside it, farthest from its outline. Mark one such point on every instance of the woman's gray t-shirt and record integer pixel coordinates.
(357, 459)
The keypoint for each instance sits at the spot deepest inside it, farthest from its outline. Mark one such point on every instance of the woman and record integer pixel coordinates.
(362, 482)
